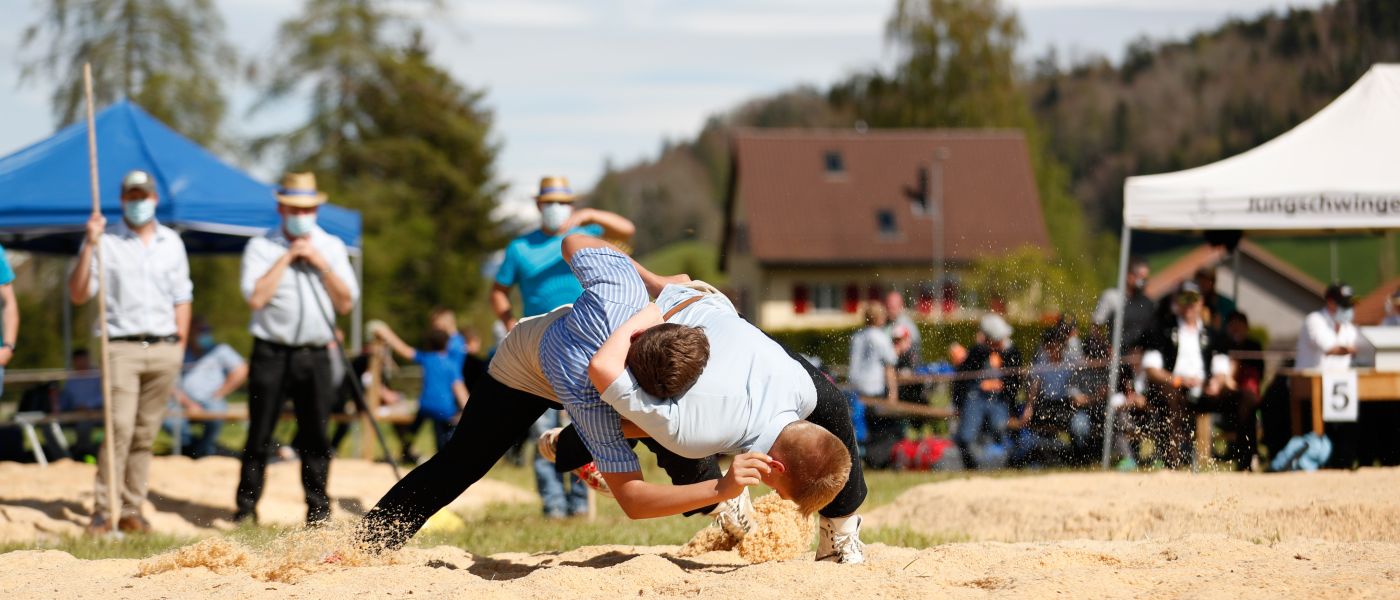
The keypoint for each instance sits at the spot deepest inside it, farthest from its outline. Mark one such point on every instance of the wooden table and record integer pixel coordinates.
(1306, 386)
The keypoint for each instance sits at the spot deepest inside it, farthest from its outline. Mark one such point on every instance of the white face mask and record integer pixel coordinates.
(299, 225)
(139, 212)
(553, 215)
(1345, 315)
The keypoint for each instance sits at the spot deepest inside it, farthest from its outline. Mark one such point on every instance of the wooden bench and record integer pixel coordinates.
(402, 413)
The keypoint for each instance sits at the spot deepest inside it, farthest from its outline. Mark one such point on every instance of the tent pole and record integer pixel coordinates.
(357, 317)
(1235, 277)
(67, 326)
(1116, 349)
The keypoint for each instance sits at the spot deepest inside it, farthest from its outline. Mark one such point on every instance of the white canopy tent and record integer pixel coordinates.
(1337, 171)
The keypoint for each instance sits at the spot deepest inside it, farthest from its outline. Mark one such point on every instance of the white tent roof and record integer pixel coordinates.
(1339, 169)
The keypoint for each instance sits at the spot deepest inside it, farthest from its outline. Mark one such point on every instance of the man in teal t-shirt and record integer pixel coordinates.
(535, 263)
(9, 314)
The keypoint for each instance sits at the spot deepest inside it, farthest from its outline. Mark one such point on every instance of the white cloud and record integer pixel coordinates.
(774, 24)
(524, 14)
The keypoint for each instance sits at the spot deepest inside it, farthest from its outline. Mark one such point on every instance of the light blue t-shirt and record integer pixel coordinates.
(209, 372)
(7, 274)
(535, 263)
(749, 391)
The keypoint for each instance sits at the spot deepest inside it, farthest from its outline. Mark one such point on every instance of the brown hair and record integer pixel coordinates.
(816, 463)
(668, 358)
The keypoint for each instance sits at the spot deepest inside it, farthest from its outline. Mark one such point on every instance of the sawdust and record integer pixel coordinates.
(780, 532)
(289, 558)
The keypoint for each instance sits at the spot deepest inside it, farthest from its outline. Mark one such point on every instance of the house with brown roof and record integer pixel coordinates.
(1371, 308)
(1274, 294)
(818, 220)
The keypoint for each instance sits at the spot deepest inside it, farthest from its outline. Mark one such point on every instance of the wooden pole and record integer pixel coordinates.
(113, 509)
(372, 396)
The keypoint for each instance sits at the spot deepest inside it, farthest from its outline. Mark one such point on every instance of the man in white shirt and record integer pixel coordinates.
(148, 319)
(1179, 362)
(296, 278)
(1328, 339)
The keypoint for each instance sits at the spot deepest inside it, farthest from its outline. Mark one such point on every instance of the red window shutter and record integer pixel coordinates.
(852, 298)
(800, 301)
(925, 305)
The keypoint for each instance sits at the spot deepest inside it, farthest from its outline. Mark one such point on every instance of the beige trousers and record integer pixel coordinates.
(143, 379)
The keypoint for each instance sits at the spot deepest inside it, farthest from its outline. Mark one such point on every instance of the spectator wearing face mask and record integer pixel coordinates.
(148, 294)
(1328, 339)
(535, 262)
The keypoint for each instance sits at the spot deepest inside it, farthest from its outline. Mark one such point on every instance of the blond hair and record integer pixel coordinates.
(817, 464)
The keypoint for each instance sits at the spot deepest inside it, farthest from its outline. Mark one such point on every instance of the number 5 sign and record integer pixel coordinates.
(1339, 401)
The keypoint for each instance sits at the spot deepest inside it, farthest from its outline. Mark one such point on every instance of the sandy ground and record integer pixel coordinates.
(1330, 505)
(189, 497)
(1191, 566)
(1076, 535)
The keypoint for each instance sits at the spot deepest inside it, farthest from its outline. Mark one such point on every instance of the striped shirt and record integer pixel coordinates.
(612, 294)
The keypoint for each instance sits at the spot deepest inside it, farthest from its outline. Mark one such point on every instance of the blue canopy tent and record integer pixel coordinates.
(47, 197)
(214, 206)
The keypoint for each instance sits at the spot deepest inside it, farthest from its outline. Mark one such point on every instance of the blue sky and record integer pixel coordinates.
(574, 84)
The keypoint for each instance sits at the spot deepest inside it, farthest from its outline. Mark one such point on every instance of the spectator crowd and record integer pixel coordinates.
(1189, 361)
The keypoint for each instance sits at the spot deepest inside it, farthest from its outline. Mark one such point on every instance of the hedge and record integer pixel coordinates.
(833, 346)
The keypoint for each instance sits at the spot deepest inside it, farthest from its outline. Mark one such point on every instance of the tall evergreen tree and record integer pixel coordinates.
(169, 56)
(394, 136)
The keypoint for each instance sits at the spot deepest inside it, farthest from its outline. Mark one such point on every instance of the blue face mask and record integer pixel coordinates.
(205, 341)
(553, 215)
(299, 225)
(139, 212)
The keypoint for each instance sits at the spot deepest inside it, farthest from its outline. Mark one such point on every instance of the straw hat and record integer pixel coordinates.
(555, 189)
(299, 190)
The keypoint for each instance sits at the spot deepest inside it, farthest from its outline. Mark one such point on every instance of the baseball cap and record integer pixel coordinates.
(1188, 293)
(995, 328)
(1341, 293)
(139, 180)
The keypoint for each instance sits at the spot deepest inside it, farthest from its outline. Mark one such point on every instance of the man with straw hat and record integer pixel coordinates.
(534, 262)
(148, 320)
(296, 278)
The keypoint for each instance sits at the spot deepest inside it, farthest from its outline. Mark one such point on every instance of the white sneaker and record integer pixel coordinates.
(840, 542)
(735, 516)
(548, 442)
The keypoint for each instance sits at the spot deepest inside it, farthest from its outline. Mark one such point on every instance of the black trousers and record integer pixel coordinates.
(277, 373)
(490, 424)
(832, 414)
